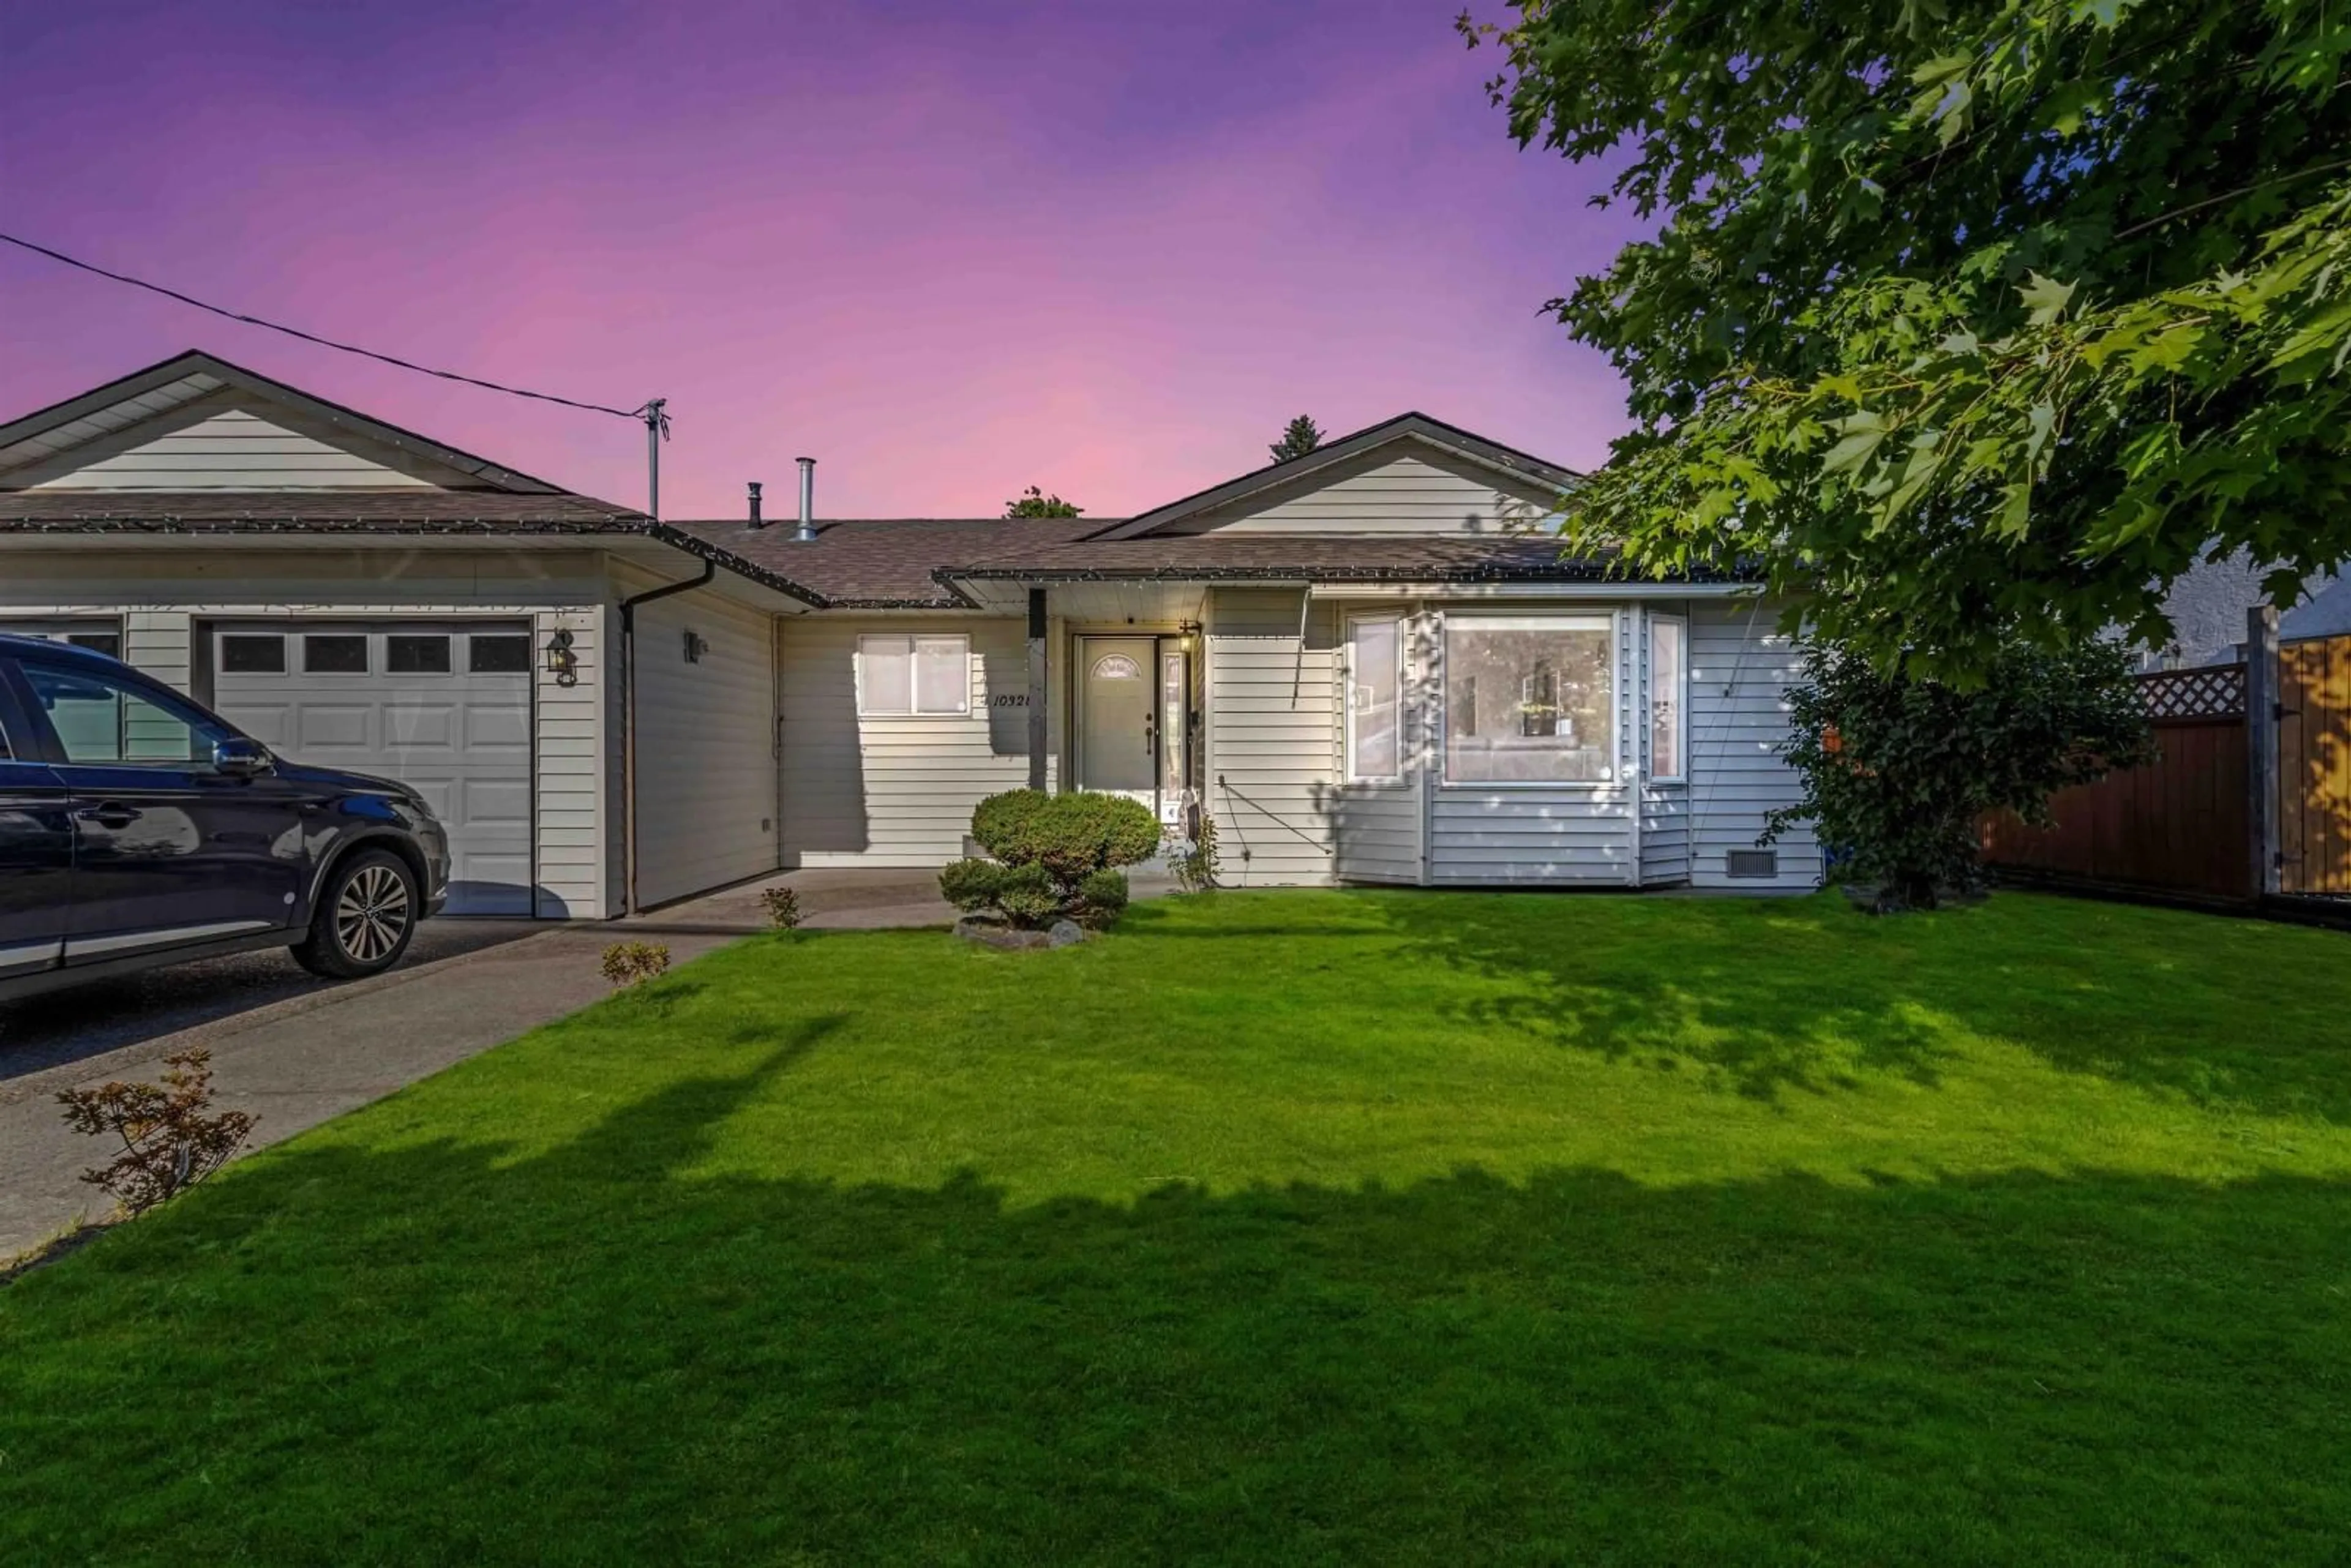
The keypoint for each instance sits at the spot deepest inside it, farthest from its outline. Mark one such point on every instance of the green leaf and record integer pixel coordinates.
(1941, 69)
(2045, 299)
(2015, 516)
(2040, 421)
(1863, 432)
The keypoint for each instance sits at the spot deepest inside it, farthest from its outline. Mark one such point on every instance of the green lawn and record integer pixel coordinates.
(1279, 1227)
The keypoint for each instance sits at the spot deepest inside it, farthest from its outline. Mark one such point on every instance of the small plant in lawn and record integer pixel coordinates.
(1055, 857)
(1196, 867)
(630, 963)
(783, 906)
(169, 1141)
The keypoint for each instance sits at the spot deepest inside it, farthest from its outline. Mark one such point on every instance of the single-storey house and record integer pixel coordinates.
(1368, 665)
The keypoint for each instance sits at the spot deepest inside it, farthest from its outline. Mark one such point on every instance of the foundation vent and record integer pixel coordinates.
(1751, 862)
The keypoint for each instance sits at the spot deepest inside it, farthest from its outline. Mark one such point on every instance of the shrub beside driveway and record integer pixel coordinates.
(1277, 1228)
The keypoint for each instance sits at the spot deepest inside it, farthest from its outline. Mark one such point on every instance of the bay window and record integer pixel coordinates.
(1668, 679)
(1530, 699)
(1374, 697)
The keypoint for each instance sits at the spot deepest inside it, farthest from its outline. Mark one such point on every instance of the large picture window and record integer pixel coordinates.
(1669, 678)
(1374, 697)
(902, 675)
(1530, 699)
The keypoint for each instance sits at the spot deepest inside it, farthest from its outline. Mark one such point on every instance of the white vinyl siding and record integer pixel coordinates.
(252, 447)
(1741, 668)
(161, 595)
(706, 744)
(1420, 490)
(1272, 760)
(870, 790)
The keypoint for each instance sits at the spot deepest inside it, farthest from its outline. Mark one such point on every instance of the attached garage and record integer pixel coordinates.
(442, 706)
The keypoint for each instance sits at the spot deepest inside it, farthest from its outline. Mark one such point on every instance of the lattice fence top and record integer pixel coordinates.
(2215, 691)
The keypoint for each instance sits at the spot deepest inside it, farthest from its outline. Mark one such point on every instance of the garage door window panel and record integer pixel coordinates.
(335, 654)
(499, 654)
(252, 654)
(416, 653)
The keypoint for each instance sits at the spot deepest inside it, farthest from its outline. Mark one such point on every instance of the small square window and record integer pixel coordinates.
(253, 656)
(904, 675)
(416, 653)
(107, 642)
(335, 654)
(488, 654)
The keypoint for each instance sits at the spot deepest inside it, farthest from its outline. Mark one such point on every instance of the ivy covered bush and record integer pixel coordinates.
(1898, 772)
(1054, 857)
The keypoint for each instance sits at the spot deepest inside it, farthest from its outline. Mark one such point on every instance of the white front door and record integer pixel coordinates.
(1118, 736)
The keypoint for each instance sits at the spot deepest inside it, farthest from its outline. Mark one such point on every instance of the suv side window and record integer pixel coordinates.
(98, 719)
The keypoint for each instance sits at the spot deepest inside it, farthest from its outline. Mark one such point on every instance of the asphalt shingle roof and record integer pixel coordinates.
(885, 561)
(323, 511)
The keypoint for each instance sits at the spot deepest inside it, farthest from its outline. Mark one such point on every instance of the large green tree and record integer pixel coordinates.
(1965, 319)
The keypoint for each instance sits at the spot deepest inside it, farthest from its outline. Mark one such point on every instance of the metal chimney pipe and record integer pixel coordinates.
(757, 521)
(807, 530)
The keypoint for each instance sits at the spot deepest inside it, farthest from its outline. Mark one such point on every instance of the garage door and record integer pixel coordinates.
(443, 707)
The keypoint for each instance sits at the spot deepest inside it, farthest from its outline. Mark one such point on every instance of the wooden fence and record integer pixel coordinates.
(2194, 822)
(2179, 825)
(2315, 767)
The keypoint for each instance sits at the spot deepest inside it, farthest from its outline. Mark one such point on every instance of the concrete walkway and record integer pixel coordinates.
(314, 1051)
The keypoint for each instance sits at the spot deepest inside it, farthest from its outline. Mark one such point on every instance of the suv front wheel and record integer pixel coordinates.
(364, 919)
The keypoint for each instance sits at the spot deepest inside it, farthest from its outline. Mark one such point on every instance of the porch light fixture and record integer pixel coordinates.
(561, 662)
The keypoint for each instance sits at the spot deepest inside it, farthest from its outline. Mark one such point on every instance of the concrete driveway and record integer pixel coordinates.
(295, 1050)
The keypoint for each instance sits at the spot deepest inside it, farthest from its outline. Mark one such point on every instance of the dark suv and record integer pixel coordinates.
(136, 829)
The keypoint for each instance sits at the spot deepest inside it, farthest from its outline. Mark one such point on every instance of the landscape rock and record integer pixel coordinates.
(1065, 933)
(992, 934)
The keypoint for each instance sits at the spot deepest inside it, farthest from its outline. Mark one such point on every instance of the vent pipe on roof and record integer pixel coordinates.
(757, 521)
(807, 530)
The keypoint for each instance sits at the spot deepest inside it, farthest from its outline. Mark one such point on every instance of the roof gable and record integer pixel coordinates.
(196, 421)
(1407, 475)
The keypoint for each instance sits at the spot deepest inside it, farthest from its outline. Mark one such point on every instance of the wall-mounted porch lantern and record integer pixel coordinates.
(561, 662)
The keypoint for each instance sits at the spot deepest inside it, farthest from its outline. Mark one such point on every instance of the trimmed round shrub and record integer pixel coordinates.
(972, 884)
(1069, 835)
(1027, 895)
(1006, 825)
(1102, 897)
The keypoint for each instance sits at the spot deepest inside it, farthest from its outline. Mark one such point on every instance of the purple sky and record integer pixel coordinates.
(947, 248)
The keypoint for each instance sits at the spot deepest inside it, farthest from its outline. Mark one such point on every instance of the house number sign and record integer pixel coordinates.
(1008, 699)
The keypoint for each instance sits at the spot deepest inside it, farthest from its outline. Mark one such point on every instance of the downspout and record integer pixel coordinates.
(629, 718)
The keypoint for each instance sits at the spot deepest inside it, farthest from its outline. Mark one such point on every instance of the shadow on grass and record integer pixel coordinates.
(439, 1352)
(1771, 996)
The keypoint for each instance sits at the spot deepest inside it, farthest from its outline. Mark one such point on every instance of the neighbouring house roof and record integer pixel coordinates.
(1508, 464)
(184, 378)
(875, 563)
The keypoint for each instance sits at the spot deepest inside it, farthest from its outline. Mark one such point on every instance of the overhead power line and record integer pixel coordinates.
(651, 414)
